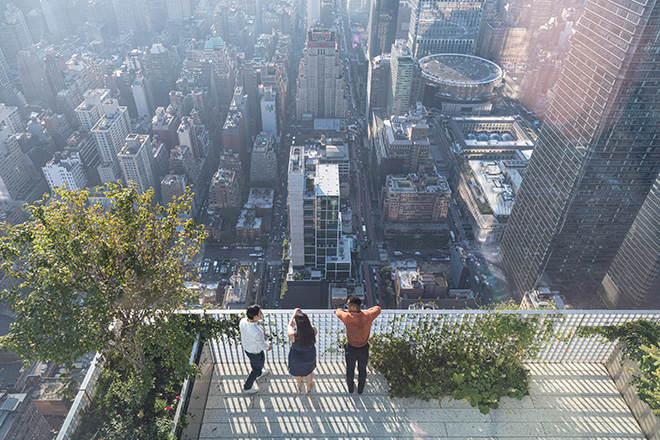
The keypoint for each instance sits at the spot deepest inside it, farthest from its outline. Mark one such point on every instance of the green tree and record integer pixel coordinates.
(97, 276)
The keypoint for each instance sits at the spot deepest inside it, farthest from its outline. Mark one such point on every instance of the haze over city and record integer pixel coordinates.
(417, 154)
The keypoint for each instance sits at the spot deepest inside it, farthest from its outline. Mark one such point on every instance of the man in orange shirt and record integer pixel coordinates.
(358, 327)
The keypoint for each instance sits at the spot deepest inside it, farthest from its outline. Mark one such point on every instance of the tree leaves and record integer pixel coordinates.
(90, 272)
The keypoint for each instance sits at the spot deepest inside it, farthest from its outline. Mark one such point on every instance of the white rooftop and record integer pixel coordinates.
(407, 276)
(327, 180)
(260, 198)
(497, 192)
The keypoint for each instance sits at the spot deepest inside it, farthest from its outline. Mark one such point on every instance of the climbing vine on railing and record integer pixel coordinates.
(478, 360)
(640, 343)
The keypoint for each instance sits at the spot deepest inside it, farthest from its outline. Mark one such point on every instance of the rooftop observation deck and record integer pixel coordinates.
(572, 394)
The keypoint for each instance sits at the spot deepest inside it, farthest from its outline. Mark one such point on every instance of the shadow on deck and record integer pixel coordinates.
(566, 401)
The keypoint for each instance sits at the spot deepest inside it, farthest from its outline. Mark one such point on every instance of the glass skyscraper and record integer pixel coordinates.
(598, 154)
(632, 282)
(444, 26)
(382, 26)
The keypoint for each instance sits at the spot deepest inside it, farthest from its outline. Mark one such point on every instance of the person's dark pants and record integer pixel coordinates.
(361, 356)
(257, 362)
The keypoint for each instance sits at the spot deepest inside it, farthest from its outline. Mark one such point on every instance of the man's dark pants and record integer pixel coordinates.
(361, 356)
(257, 362)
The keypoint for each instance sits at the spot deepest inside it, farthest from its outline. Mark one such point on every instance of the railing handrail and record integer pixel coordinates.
(567, 347)
(570, 348)
(431, 312)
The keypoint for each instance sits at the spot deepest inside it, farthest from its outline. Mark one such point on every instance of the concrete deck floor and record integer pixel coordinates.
(567, 401)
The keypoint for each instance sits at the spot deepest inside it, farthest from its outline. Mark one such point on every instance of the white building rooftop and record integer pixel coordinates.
(496, 191)
(260, 198)
(326, 182)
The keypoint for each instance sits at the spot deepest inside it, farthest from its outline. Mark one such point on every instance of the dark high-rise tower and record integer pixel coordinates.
(633, 280)
(597, 157)
(382, 26)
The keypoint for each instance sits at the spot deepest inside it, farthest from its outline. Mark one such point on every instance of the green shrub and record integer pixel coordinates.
(478, 361)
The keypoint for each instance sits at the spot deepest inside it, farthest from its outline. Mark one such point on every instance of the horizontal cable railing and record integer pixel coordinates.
(567, 347)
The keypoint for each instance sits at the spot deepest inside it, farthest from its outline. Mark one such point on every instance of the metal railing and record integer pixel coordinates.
(569, 347)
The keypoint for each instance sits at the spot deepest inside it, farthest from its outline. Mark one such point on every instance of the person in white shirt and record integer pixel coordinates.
(254, 343)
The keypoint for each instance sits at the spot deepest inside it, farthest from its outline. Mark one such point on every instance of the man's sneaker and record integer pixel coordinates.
(252, 390)
(264, 372)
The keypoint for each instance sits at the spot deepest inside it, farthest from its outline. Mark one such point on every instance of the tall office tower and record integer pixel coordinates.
(14, 168)
(123, 79)
(597, 157)
(8, 93)
(10, 118)
(14, 33)
(156, 18)
(327, 222)
(403, 20)
(110, 135)
(378, 83)
(504, 44)
(402, 68)
(65, 169)
(314, 218)
(240, 103)
(142, 97)
(54, 19)
(268, 110)
(137, 162)
(382, 26)
(632, 281)
(55, 64)
(33, 77)
(321, 77)
(187, 136)
(160, 69)
(131, 16)
(218, 53)
(178, 9)
(444, 26)
(89, 111)
(313, 15)
(83, 144)
(263, 164)
(327, 13)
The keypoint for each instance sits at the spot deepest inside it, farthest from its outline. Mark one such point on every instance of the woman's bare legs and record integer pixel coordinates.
(299, 383)
(309, 380)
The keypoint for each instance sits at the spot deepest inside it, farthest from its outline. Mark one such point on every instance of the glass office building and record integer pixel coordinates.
(597, 158)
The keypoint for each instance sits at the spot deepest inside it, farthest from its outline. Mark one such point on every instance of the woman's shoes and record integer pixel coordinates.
(310, 388)
(300, 388)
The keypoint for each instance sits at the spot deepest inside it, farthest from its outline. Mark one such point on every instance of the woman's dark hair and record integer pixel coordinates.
(252, 311)
(305, 336)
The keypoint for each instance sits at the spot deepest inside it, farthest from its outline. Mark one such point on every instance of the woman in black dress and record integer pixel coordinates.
(302, 356)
